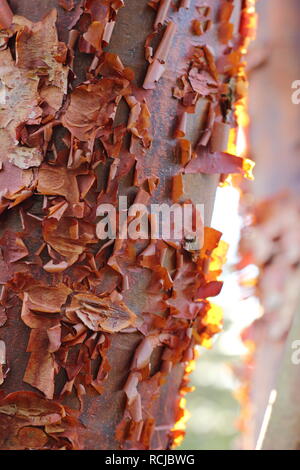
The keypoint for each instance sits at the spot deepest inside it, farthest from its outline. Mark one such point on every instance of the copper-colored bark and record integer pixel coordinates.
(102, 413)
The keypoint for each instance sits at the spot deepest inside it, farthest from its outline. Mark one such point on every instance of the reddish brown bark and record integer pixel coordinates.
(103, 399)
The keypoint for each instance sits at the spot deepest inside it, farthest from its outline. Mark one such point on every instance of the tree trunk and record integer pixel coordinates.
(109, 328)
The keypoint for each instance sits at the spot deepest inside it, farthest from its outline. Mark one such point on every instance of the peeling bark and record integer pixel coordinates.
(99, 335)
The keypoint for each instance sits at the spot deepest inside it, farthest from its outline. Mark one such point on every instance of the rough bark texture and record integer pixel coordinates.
(96, 362)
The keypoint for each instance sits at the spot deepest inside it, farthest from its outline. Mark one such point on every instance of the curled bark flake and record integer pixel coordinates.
(225, 29)
(99, 31)
(130, 388)
(94, 35)
(177, 187)
(101, 314)
(47, 299)
(211, 163)
(143, 352)
(202, 82)
(219, 137)
(157, 67)
(139, 121)
(162, 12)
(185, 151)
(207, 131)
(93, 106)
(180, 130)
(60, 181)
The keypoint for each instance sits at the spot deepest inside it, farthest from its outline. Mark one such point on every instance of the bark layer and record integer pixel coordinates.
(97, 363)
